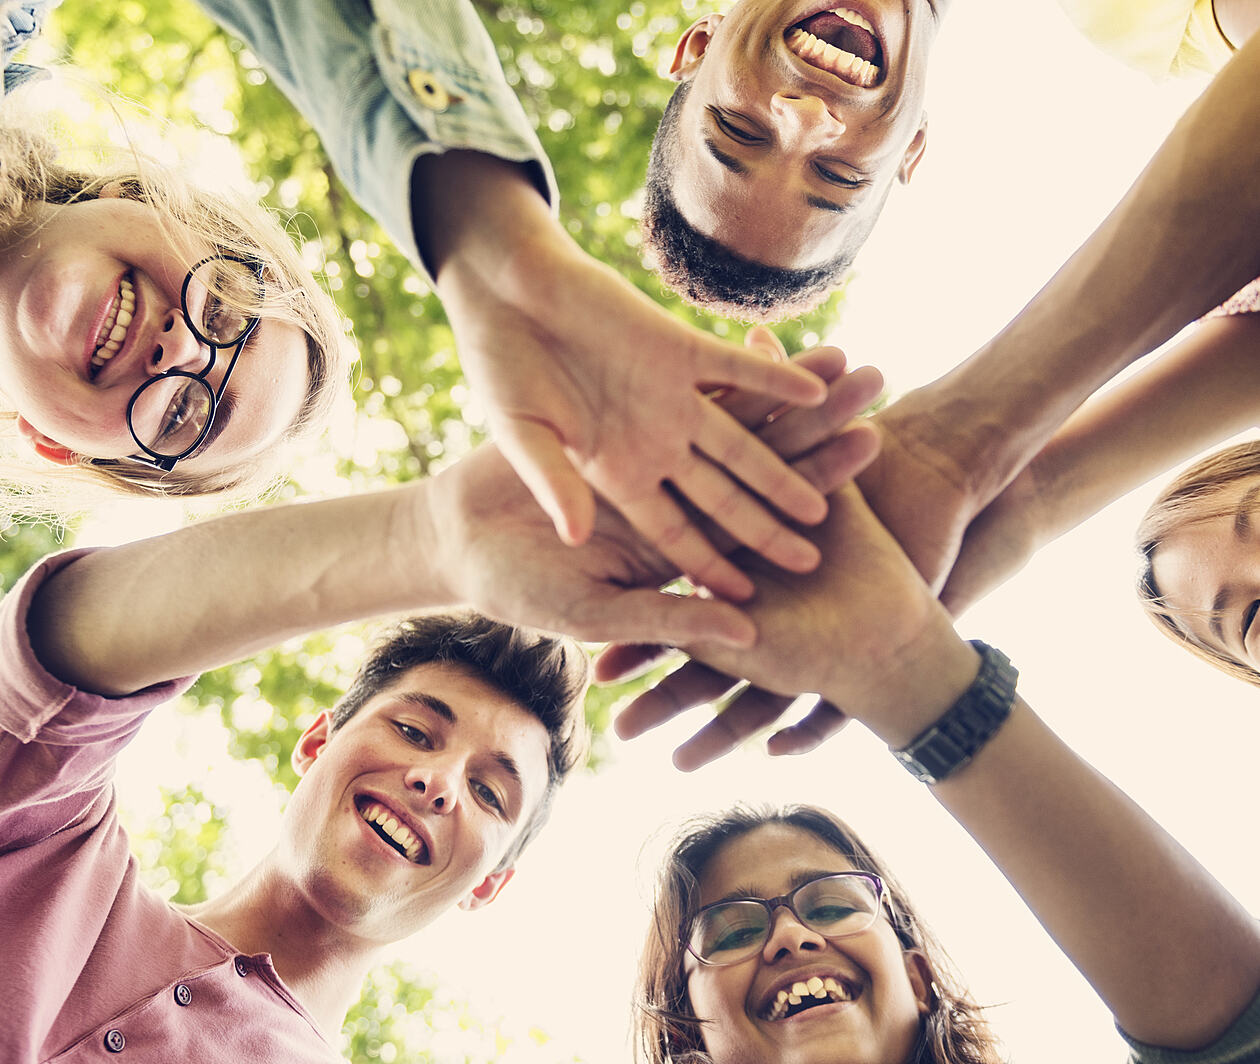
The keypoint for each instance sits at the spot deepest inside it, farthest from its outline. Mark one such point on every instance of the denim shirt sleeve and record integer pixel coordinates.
(21, 21)
(386, 81)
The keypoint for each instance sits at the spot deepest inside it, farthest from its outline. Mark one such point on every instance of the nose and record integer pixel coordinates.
(805, 115)
(177, 346)
(788, 935)
(438, 783)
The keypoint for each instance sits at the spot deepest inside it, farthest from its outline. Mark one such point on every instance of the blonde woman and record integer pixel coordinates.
(155, 338)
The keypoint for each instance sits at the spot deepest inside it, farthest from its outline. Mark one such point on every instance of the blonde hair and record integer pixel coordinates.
(666, 1029)
(1188, 499)
(32, 176)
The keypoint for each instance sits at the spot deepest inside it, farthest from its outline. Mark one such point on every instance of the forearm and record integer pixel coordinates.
(122, 619)
(1181, 241)
(1173, 956)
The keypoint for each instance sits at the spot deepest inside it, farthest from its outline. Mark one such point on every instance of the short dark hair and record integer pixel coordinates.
(704, 271)
(546, 675)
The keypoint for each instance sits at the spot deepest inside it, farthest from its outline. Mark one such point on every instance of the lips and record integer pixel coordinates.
(805, 991)
(841, 42)
(395, 829)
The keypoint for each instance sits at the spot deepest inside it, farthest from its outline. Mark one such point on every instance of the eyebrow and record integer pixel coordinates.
(736, 167)
(1242, 516)
(743, 893)
(442, 709)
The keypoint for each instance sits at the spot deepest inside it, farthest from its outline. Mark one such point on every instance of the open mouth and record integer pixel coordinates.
(841, 42)
(113, 332)
(802, 996)
(392, 831)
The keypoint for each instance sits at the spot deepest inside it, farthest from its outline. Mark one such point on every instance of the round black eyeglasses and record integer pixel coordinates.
(834, 906)
(171, 414)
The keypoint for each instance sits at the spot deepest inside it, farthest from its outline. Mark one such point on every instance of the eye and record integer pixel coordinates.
(486, 796)
(833, 178)
(415, 736)
(734, 128)
(185, 413)
(1249, 615)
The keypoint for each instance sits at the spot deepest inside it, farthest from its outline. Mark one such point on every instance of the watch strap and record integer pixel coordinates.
(947, 745)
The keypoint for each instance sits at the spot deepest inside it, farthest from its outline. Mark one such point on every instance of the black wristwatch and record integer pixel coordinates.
(944, 747)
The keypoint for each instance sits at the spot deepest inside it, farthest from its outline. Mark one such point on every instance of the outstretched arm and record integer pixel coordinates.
(1172, 954)
(1180, 242)
(1203, 391)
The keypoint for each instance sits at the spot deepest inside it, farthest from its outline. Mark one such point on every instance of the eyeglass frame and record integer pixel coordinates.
(786, 901)
(167, 462)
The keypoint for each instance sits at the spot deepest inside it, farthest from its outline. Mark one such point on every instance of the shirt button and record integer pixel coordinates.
(183, 996)
(114, 1041)
(242, 966)
(428, 90)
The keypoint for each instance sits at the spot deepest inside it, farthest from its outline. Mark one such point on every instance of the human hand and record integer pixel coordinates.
(504, 558)
(589, 385)
(864, 630)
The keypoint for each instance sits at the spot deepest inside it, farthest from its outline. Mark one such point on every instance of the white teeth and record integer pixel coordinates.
(817, 988)
(844, 64)
(375, 813)
(113, 332)
(854, 18)
(799, 990)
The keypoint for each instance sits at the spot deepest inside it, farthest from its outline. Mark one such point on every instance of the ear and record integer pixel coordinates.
(487, 890)
(111, 190)
(919, 973)
(311, 743)
(691, 47)
(46, 446)
(910, 161)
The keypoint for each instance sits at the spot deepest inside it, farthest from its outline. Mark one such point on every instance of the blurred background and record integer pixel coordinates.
(1033, 137)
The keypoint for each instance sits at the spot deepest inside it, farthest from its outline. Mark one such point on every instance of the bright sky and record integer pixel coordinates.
(1034, 136)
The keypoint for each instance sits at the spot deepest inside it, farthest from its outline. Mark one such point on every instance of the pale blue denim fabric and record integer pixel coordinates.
(385, 82)
(21, 21)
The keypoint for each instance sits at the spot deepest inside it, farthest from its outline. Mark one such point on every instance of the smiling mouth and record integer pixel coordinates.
(800, 997)
(392, 831)
(113, 334)
(840, 42)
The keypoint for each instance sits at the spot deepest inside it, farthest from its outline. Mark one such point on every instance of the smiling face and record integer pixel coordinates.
(71, 284)
(407, 809)
(1207, 572)
(874, 992)
(798, 119)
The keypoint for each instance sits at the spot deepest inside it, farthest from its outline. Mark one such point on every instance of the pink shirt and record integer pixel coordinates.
(93, 965)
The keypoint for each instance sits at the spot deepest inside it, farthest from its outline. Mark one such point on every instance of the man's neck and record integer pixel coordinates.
(320, 963)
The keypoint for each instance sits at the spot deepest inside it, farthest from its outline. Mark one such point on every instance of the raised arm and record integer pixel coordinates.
(1180, 242)
(1203, 391)
(1170, 952)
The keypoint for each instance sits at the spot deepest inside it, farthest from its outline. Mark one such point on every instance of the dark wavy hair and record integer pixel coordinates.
(666, 1030)
(704, 271)
(546, 675)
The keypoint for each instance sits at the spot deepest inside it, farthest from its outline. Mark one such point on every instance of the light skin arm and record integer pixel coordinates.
(590, 387)
(1166, 947)
(122, 619)
(1180, 242)
(1203, 391)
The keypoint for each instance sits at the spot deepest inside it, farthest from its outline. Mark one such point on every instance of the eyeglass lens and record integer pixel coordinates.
(833, 906)
(233, 299)
(169, 414)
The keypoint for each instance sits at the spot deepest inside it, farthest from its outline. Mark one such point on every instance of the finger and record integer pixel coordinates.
(720, 365)
(749, 408)
(644, 615)
(686, 687)
(796, 431)
(534, 451)
(762, 339)
(810, 732)
(751, 711)
(662, 522)
(731, 446)
(624, 661)
(840, 460)
(744, 519)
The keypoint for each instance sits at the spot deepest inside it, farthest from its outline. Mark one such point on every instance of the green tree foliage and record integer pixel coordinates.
(182, 850)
